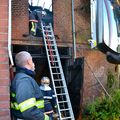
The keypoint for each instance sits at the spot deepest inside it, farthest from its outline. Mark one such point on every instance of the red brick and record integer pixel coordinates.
(3, 51)
(4, 81)
(3, 29)
(20, 25)
(4, 2)
(3, 23)
(4, 58)
(4, 97)
(3, 37)
(4, 105)
(4, 15)
(5, 118)
(4, 66)
(4, 112)
(4, 74)
(3, 43)
(3, 8)
(4, 90)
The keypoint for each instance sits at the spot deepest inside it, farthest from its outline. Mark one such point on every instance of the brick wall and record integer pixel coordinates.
(62, 12)
(62, 20)
(82, 20)
(4, 67)
(95, 66)
(20, 18)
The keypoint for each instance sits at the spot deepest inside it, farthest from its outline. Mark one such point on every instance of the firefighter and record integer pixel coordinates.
(33, 22)
(27, 101)
(49, 97)
(35, 18)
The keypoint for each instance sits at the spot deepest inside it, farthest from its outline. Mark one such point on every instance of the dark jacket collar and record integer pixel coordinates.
(25, 70)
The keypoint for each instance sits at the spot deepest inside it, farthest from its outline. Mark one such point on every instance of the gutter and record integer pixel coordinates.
(73, 31)
(9, 34)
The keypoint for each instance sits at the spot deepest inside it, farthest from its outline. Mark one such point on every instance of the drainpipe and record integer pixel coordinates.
(73, 31)
(9, 35)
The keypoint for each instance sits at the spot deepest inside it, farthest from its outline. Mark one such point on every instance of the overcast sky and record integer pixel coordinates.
(41, 3)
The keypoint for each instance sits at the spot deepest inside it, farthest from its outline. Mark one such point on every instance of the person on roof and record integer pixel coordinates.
(36, 15)
(27, 101)
(49, 97)
(35, 18)
(33, 21)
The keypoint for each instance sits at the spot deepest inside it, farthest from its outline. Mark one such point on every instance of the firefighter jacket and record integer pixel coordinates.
(26, 98)
(50, 99)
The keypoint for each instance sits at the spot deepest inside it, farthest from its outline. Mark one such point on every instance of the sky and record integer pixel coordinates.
(41, 3)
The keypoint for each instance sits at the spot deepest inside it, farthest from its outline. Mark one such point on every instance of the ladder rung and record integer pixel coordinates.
(64, 109)
(51, 41)
(60, 87)
(62, 101)
(65, 118)
(57, 80)
(49, 31)
(53, 55)
(50, 44)
(48, 27)
(56, 73)
(53, 61)
(55, 67)
(62, 94)
(48, 35)
(52, 50)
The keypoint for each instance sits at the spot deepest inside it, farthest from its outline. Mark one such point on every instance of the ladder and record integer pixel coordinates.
(58, 80)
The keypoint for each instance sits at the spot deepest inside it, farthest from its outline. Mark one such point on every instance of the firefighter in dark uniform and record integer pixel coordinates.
(37, 15)
(33, 22)
(49, 97)
(27, 101)
(35, 18)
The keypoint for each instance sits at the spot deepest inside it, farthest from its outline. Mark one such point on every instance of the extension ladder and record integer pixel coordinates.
(59, 84)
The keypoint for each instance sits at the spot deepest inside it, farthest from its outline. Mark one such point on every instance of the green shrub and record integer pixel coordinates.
(104, 109)
(112, 81)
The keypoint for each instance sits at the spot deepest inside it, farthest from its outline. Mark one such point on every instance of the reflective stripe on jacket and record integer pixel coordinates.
(27, 104)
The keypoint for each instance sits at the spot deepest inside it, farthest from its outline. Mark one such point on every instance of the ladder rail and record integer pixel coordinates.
(50, 70)
(60, 74)
(59, 62)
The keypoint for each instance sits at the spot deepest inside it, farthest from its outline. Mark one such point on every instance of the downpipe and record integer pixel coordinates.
(73, 31)
(9, 35)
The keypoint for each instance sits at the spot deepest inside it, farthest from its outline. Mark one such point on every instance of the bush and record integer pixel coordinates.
(104, 109)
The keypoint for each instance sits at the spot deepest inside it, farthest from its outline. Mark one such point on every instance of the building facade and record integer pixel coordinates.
(94, 61)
